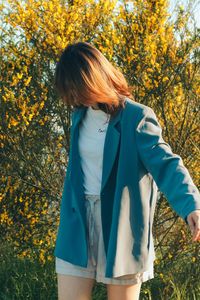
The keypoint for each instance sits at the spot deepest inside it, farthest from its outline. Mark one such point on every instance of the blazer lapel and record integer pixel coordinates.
(112, 139)
(76, 176)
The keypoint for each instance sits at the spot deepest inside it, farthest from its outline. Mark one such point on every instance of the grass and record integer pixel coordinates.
(23, 279)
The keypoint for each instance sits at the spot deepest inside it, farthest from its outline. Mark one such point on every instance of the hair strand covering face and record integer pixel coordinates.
(84, 77)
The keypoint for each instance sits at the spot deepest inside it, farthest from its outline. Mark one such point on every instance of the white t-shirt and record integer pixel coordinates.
(92, 132)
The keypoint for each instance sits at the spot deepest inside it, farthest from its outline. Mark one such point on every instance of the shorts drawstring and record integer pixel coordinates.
(91, 199)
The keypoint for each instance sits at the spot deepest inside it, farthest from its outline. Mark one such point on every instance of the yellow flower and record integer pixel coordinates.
(23, 253)
(33, 220)
(156, 261)
(27, 81)
(169, 255)
(165, 79)
(41, 104)
(19, 76)
(13, 122)
(30, 117)
(41, 256)
(107, 42)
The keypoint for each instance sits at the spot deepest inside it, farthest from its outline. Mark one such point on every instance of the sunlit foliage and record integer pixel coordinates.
(159, 56)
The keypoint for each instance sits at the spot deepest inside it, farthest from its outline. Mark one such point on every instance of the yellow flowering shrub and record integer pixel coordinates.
(157, 56)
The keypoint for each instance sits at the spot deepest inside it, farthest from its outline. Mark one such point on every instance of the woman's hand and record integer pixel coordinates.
(194, 223)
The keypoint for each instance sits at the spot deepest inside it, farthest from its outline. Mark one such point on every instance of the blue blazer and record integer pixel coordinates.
(136, 163)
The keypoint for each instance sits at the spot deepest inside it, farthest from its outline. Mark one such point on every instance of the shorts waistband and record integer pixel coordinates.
(90, 196)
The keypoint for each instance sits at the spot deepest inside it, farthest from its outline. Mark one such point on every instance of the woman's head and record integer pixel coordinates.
(84, 77)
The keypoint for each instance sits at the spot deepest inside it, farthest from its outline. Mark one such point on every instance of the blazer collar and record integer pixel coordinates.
(80, 112)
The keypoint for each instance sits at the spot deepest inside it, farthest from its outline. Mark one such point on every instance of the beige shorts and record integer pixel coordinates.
(97, 259)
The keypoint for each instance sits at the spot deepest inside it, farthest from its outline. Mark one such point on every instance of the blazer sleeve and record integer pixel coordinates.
(166, 167)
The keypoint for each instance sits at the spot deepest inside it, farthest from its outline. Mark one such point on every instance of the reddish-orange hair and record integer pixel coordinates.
(84, 77)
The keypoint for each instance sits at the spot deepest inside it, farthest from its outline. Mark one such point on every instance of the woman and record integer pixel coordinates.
(117, 160)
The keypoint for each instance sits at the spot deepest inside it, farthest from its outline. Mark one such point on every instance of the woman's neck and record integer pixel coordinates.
(95, 106)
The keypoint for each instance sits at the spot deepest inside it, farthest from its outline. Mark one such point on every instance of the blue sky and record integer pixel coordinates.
(185, 3)
(195, 4)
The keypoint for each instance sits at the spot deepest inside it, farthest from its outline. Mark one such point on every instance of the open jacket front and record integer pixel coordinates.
(136, 163)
